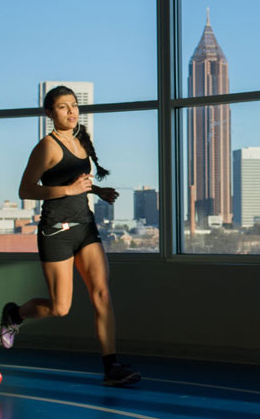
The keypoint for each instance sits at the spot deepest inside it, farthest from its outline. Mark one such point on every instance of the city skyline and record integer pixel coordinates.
(123, 68)
(137, 235)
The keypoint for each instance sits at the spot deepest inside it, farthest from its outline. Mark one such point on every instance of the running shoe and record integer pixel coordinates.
(121, 375)
(8, 329)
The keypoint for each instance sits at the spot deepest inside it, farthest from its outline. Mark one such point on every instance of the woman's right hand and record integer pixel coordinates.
(82, 184)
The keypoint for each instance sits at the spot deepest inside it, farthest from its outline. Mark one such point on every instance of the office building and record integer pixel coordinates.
(28, 204)
(146, 206)
(246, 173)
(85, 94)
(103, 211)
(209, 142)
(11, 217)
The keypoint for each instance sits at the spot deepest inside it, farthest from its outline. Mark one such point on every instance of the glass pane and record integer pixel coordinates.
(111, 44)
(126, 144)
(221, 208)
(17, 225)
(219, 46)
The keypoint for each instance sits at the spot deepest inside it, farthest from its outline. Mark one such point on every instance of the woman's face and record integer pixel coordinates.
(65, 112)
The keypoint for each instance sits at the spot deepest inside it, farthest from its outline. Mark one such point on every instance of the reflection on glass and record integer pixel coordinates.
(127, 144)
(222, 188)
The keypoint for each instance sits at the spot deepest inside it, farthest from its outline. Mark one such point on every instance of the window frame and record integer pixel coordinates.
(168, 106)
(177, 104)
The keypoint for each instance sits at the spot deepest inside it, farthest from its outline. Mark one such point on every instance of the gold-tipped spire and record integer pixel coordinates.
(208, 20)
(208, 45)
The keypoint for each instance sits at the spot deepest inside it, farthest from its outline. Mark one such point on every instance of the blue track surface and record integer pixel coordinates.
(62, 385)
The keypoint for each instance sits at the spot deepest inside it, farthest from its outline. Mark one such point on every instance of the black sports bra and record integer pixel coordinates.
(67, 169)
(73, 208)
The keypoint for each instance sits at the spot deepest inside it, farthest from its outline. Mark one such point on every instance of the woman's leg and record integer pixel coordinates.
(59, 277)
(91, 262)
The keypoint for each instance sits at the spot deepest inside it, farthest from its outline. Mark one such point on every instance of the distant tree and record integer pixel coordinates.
(121, 227)
(133, 245)
(116, 246)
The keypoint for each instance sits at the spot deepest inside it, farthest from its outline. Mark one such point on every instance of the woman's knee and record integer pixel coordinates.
(60, 310)
(101, 298)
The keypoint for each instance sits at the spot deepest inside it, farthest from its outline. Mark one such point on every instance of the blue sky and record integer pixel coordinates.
(113, 44)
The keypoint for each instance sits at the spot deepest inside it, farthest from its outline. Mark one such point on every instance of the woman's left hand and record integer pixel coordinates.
(108, 194)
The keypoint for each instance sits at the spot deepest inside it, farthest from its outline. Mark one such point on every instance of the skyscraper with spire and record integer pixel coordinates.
(209, 141)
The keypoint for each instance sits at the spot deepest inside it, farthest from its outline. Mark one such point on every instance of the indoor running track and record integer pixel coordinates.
(65, 385)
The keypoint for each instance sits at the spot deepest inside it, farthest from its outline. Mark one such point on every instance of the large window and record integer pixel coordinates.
(127, 143)
(218, 200)
(235, 28)
(172, 105)
(107, 53)
(109, 43)
(221, 161)
(121, 140)
(17, 138)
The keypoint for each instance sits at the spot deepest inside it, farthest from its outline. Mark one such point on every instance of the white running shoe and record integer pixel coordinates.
(8, 330)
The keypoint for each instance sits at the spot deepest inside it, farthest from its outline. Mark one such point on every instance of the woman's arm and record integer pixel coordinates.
(42, 158)
(107, 194)
(95, 190)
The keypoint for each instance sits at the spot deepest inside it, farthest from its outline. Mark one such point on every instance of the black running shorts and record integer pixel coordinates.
(66, 243)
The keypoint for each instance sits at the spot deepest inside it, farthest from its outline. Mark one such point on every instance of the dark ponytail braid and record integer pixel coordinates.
(86, 142)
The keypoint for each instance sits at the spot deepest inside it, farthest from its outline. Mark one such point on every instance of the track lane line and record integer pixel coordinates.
(80, 405)
(160, 380)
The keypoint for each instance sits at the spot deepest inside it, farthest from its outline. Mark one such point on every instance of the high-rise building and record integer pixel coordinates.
(146, 206)
(85, 94)
(28, 204)
(246, 174)
(209, 142)
(103, 211)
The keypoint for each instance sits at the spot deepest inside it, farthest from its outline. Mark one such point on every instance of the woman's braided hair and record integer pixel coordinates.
(86, 142)
(82, 136)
